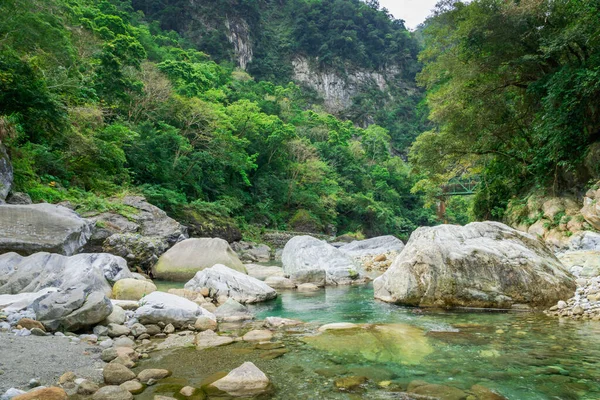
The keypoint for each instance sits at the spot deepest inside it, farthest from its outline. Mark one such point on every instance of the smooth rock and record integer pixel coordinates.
(276, 322)
(244, 381)
(278, 282)
(115, 330)
(34, 228)
(47, 393)
(208, 339)
(373, 247)
(308, 287)
(338, 326)
(154, 373)
(188, 391)
(232, 311)
(133, 387)
(483, 264)
(116, 317)
(440, 392)
(262, 272)
(305, 257)
(29, 323)
(258, 336)
(186, 258)
(112, 393)
(224, 281)
(115, 374)
(87, 388)
(204, 324)
(132, 289)
(168, 308)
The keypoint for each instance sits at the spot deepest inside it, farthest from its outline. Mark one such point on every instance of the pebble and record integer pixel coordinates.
(34, 383)
(585, 304)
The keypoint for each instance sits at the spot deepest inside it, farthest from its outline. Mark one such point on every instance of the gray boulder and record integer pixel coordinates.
(232, 311)
(43, 270)
(582, 263)
(306, 258)
(139, 251)
(18, 198)
(224, 281)
(483, 264)
(6, 173)
(28, 229)
(262, 272)
(140, 237)
(373, 247)
(182, 261)
(169, 309)
(66, 293)
(72, 309)
(252, 252)
(585, 240)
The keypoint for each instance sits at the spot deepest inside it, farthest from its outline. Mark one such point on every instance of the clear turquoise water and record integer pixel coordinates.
(520, 355)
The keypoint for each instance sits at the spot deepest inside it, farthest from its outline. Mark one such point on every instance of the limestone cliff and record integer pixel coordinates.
(338, 88)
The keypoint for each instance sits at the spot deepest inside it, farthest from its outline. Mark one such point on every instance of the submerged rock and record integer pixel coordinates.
(305, 257)
(33, 228)
(396, 343)
(209, 339)
(169, 309)
(483, 264)
(188, 257)
(244, 381)
(224, 281)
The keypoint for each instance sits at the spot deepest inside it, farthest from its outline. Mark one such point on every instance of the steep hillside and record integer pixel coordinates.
(354, 60)
(96, 101)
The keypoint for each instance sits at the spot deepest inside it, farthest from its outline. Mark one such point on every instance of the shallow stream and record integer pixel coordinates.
(519, 355)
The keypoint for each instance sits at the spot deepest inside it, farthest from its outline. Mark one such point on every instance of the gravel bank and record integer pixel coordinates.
(46, 359)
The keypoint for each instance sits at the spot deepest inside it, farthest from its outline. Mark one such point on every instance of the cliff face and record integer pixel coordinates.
(336, 88)
(238, 34)
(357, 62)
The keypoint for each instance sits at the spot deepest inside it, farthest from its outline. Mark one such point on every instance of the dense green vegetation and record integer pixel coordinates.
(514, 89)
(336, 35)
(96, 100)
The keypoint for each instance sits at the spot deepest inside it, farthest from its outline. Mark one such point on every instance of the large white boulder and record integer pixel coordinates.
(305, 258)
(170, 309)
(224, 281)
(483, 264)
(32, 228)
(20, 274)
(182, 261)
(373, 247)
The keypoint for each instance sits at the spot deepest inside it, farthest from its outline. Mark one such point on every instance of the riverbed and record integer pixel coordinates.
(517, 354)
